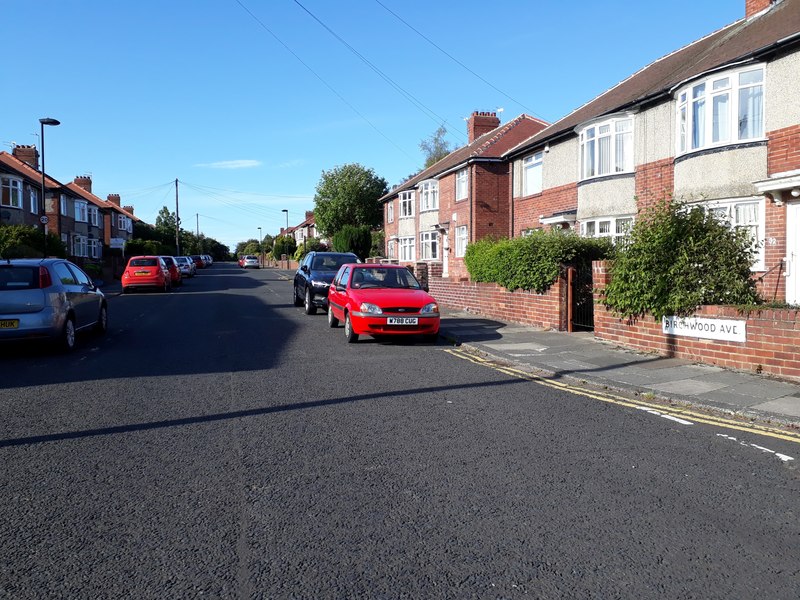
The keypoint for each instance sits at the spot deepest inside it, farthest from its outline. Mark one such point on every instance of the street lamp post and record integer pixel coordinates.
(43, 219)
(286, 232)
(260, 251)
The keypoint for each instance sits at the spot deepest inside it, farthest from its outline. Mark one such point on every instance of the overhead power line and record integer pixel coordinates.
(324, 82)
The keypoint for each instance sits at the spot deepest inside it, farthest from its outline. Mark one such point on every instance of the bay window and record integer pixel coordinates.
(429, 195)
(406, 204)
(745, 214)
(606, 148)
(610, 227)
(406, 249)
(724, 108)
(429, 245)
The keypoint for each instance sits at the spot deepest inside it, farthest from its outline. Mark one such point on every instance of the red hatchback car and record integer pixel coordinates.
(375, 299)
(146, 272)
(175, 276)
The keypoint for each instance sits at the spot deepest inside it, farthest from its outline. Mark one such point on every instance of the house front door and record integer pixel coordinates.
(793, 253)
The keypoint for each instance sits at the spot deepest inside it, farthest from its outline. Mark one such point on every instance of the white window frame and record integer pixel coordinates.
(406, 245)
(610, 227)
(462, 184)
(618, 157)
(80, 245)
(121, 222)
(532, 174)
(81, 211)
(390, 211)
(697, 105)
(406, 205)
(94, 248)
(392, 249)
(64, 206)
(429, 245)
(11, 192)
(429, 195)
(727, 211)
(94, 216)
(128, 224)
(461, 241)
(33, 194)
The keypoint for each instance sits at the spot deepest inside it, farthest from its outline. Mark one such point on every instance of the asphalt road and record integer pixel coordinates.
(220, 443)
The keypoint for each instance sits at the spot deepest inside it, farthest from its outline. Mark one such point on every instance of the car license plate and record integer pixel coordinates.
(142, 273)
(401, 320)
(9, 323)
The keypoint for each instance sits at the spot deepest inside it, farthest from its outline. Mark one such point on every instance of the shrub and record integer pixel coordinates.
(26, 241)
(532, 262)
(678, 258)
(283, 245)
(310, 245)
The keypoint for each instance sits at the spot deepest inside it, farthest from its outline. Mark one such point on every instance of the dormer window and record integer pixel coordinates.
(606, 148)
(722, 109)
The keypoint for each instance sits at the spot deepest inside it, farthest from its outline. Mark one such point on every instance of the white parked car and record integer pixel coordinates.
(186, 265)
(250, 262)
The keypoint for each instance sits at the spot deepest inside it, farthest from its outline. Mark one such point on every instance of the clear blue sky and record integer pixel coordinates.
(247, 102)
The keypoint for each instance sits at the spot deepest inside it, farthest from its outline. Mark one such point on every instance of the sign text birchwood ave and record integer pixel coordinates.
(714, 329)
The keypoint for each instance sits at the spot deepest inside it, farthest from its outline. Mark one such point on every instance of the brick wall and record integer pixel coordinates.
(654, 181)
(772, 346)
(526, 211)
(490, 200)
(491, 301)
(783, 150)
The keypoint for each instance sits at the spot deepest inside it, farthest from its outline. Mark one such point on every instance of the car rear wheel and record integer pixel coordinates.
(332, 321)
(67, 340)
(351, 336)
(309, 304)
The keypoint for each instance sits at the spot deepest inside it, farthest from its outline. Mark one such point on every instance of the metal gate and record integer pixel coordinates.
(580, 302)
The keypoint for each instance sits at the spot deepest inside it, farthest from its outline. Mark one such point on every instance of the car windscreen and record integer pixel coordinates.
(332, 262)
(143, 262)
(18, 278)
(379, 277)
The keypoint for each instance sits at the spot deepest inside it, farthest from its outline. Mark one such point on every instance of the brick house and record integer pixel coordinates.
(305, 230)
(462, 198)
(716, 123)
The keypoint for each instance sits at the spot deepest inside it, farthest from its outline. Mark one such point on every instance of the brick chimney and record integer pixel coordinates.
(128, 209)
(27, 154)
(309, 214)
(85, 182)
(113, 199)
(751, 7)
(480, 123)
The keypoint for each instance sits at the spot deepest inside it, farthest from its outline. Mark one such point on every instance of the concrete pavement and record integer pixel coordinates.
(582, 358)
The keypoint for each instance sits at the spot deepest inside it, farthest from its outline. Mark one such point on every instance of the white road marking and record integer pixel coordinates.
(660, 414)
(783, 457)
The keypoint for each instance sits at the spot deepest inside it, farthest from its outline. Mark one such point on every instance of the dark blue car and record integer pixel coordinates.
(313, 278)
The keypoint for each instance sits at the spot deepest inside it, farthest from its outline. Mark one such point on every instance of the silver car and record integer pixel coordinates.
(186, 265)
(48, 298)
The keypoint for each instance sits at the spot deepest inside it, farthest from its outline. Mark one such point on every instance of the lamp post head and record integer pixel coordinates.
(49, 121)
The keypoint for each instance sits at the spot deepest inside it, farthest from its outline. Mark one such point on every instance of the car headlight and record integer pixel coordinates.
(371, 309)
(320, 284)
(429, 308)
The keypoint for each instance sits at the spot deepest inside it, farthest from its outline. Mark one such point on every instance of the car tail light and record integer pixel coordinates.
(45, 281)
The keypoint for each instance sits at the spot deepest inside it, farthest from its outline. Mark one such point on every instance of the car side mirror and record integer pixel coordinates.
(425, 288)
(304, 268)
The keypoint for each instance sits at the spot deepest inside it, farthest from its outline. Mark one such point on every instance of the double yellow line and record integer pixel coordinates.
(677, 412)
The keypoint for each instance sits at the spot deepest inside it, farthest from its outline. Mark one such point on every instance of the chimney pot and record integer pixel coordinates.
(27, 154)
(114, 199)
(85, 182)
(481, 122)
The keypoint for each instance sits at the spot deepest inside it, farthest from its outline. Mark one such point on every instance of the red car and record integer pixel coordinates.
(175, 275)
(146, 272)
(375, 299)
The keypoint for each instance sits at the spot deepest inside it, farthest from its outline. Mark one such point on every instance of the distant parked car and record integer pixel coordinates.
(48, 298)
(314, 276)
(146, 272)
(208, 260)
(376, 299)
(250, 262)
(186, 265)
(198, 261)
(175, 275)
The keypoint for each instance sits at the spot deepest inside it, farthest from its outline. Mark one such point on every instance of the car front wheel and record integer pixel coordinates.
(295, 300)
(351, 336)
(309, 304)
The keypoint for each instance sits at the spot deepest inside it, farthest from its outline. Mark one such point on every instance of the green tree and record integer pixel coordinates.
(348, 195)
(435, 147)
(284, 244)
(677, 258)
(355, 239)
